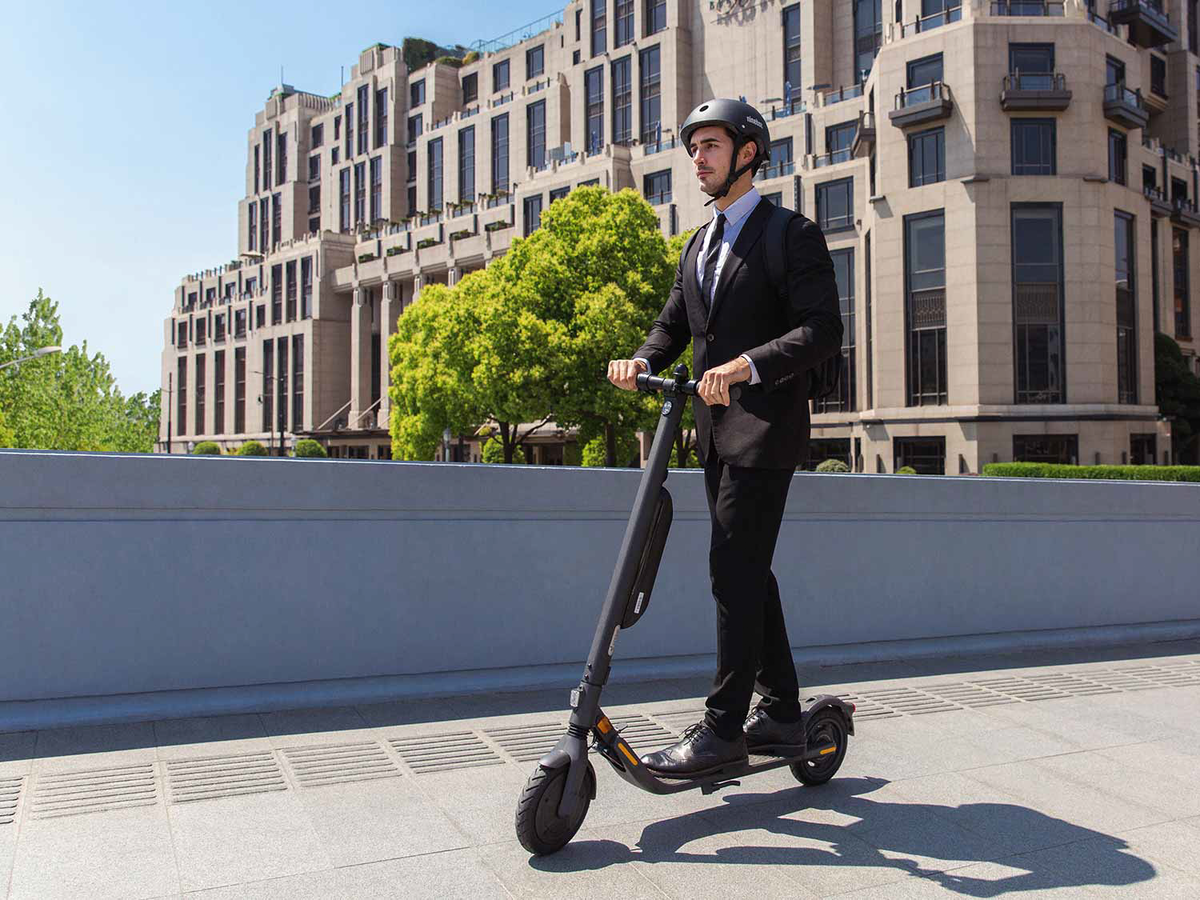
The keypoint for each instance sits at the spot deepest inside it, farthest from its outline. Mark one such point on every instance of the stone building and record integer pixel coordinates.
(1001, 287)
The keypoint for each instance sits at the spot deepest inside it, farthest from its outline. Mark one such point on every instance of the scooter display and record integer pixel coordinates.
(556, 797)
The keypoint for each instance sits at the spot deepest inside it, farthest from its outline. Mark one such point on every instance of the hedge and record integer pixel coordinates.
(252, 448)
(1106, 473)
(207, 448)
(832, 465)
(906, 470)
(310, 449)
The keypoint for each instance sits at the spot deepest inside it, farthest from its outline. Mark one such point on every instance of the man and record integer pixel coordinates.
(744, 333)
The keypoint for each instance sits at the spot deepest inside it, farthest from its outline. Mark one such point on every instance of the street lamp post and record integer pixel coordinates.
(40, 352)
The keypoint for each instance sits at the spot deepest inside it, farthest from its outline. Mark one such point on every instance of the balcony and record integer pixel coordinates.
(1184, 212)
(1125, 107)
(1027, 7)
(843, 93)
(832, 158)
(1149, 24)
(775, 170)
(1159, 204)
(864, 134)
(921, 24)
(917, 106)
(1034, 91)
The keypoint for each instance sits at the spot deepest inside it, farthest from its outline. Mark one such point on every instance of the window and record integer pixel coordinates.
(470, 87)
(412, 165)
(650, 93)
(500, 154)
(201, 326)
(360, 192)
(306, 287)
(200, 386)
(922, 73)
(925, 286)
(282, 168)
(1158, 75)
(535, 61)
(316, 137)
(337, 128)
(500, 76)
(239, 390)
(1034, 150)
(1030, 61)
(252, 212)
(575, 53)
(1123, 265)
(599, 26)
(843, 268)
(535, 134)
(276, 294)
(414, 128)
(377, 185)
(266, 147)
(821, 449)
(256, 168)
(1114, 71)
(349, 131)
(239, 323)
(559, 193)
(622, 88)
(868, 35)
(780, 161)
(1046, 448)
(344, 196)
(1179, 189)
(416, 92)
(181, 395)
(1143, 450)
(297, 382)
(791, 50)
(364, 112)
(334, 156)
(276, 218)
(593, 88)
(835, 205)
(290, 279)
(260, 315)
(1116, 156)
(1037, 302)
(466, 165)
(867, 323)
(435, 174)
(314, 167)
(578, 14)
(1183, 300)
(925, 455)
(927, 157)
(532, 209)
(775, 199)
(412, 199)
(624, 23)
(314, 200)
(381, 117)
(264, 223)
(656, 187)
(656, 16)
(935, 13)
(839, 139)
(281, 408)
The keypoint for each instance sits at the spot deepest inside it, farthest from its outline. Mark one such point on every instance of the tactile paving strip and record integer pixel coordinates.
(75, 793)
(10, 790)
(443, 752)
(527, 743)
(223, 776)
(320, 764)
(640, 731)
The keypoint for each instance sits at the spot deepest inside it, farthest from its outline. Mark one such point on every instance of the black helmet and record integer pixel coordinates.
(742, 120)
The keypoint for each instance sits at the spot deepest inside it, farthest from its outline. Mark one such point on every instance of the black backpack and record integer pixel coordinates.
(824, 379)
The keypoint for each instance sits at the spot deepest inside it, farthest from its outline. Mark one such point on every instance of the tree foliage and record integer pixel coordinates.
(67, 400)
(1177, 392)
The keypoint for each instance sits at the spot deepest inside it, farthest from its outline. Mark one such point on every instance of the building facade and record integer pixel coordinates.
(1001, 287)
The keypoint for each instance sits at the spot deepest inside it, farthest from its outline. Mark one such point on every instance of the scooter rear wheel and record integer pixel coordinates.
(826, 725)
(539, 827)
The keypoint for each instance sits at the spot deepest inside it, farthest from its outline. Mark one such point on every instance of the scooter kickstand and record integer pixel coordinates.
(714, 786)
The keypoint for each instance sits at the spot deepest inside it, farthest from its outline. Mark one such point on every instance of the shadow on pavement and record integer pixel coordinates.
(881, 826)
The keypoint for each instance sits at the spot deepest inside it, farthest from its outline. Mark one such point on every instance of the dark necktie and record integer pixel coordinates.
(710, 262)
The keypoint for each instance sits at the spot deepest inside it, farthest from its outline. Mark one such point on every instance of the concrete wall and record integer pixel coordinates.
(130, 574)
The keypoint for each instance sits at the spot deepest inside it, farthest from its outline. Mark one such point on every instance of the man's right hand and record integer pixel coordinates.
(624, 372)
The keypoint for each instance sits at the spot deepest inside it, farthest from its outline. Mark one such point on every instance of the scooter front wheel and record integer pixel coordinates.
(826, 725)
(539, 827)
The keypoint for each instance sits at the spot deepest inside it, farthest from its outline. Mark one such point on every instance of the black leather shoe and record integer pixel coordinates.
(770, 737)
(699, 752)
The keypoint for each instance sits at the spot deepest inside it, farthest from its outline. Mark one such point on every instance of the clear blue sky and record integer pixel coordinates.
(124, 149)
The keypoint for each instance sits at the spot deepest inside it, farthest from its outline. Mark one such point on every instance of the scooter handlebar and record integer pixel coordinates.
(652, 383)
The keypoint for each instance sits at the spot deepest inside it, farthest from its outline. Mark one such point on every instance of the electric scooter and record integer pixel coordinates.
(557, 795)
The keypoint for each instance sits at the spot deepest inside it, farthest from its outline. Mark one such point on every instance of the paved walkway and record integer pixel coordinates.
(1052, 774)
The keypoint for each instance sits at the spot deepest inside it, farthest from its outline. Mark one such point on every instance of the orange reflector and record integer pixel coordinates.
(604, 725)
(828, 750)
(629, 756)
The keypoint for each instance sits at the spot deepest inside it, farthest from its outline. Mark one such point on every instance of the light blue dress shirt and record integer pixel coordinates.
(735, 217)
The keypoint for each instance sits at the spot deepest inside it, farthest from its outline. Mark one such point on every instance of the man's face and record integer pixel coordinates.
(711, 146)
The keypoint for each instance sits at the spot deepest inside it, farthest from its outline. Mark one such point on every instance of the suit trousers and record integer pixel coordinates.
(753, 653)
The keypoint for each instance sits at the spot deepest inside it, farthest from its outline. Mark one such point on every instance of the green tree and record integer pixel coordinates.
(67, 400)
(685, 435)
(1177, 392)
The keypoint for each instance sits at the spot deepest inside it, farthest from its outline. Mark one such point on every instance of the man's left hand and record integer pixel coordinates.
(714, 383)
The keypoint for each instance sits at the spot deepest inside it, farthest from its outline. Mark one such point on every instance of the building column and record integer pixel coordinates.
(453, 276)
(418, 283)
(360, 357)
(389, 309)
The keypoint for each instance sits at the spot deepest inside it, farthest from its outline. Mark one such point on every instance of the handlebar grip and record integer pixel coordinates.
(651, 383)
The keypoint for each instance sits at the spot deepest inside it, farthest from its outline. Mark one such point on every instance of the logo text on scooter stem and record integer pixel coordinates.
(667, 408)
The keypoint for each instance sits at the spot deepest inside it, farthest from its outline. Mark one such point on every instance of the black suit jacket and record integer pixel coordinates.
(768, 425)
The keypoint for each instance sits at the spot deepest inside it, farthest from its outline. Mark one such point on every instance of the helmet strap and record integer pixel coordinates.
(733, 175)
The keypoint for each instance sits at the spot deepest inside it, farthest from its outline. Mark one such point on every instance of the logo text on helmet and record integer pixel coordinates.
(754, 120)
